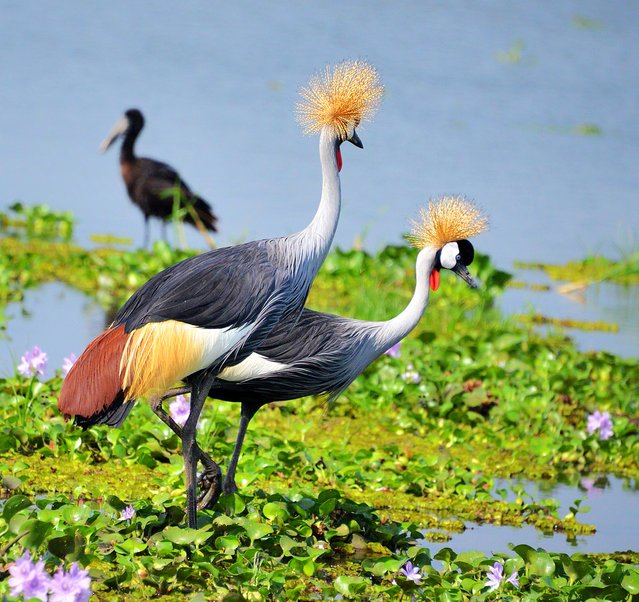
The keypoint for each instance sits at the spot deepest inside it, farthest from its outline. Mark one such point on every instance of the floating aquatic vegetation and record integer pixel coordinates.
(586, 325)
(333, 501)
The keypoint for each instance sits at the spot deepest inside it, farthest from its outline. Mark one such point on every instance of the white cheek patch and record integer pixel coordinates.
(448, 255)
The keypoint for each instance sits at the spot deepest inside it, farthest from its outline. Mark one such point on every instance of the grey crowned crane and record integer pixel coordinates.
(321, 354)
(155, 186)
(190, 320)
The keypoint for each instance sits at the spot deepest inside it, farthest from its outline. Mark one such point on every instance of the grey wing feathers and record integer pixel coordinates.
(325, 353)
(226, 287)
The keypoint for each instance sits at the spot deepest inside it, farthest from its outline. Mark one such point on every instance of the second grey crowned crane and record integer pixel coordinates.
(321, 354)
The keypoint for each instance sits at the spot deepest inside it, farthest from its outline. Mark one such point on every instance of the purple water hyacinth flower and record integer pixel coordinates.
(513, 579)
(411, 573)
(495, 576)
(600, 421)
(179, 409)
(128, 513)
(411, 375)
(33, 362)
(393, 351)
(28, 579)
(74, 586)
(67, 363)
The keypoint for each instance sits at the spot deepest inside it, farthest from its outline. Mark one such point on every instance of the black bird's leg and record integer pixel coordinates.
(247, 412)
(146, 231)
(209, 480)
(190, 449)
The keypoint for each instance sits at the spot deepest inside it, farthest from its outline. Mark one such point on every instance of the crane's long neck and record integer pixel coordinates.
(318, 235)
(395, 329)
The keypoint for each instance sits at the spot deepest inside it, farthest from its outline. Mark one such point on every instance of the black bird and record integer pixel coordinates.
(155, 186)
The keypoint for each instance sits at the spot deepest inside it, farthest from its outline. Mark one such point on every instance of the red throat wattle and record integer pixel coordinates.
(434, 279)
(338, 156)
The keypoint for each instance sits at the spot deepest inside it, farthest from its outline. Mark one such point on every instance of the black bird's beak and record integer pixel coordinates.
(118, 129)
(354, 139)
(462, 271)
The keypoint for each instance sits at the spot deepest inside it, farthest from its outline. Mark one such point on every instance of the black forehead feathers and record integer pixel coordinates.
(466, 250)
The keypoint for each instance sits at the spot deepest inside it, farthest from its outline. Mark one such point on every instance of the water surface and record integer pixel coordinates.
(528, 109)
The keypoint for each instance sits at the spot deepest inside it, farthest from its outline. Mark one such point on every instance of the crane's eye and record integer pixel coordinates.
(458, 258)
(466, 251)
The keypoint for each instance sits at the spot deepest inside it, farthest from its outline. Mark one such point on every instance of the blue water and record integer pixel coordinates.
(611, 505)
(481, 99)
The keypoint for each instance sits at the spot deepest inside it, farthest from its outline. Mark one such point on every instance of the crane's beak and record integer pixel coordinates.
(354, 139)
(118, 129)
(462, 271)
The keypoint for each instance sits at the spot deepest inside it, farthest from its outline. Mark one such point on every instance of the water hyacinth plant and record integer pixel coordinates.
(30, 580)
(495, 576)
(67, 363)
(128, 513)
(411, 375)
(179, 409)
(600, 421)
(334, 500)
(33, 362)
(394, 351)
(412, 573)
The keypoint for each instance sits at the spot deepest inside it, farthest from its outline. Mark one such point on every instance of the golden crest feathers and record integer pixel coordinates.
(340, 98)
(448, 219)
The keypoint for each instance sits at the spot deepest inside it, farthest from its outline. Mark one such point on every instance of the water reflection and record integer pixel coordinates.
(602, 302)
(614, 510)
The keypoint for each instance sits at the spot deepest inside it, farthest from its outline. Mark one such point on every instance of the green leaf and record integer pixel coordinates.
(276, 511)
(181, 535)
(37, 532)
(256, 530)
(62, 546)
(131, 546)
(231, 504)
(227, 543)
(542, 565)
(75, 515)
(350, 586)
(631, 582)
(14, 504)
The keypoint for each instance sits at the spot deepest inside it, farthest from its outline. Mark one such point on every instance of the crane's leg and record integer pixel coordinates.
(209, 480)
(247, 412)
(164, 238)
(190, 449)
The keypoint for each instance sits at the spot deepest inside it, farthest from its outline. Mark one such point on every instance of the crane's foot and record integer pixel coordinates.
(210, 486)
